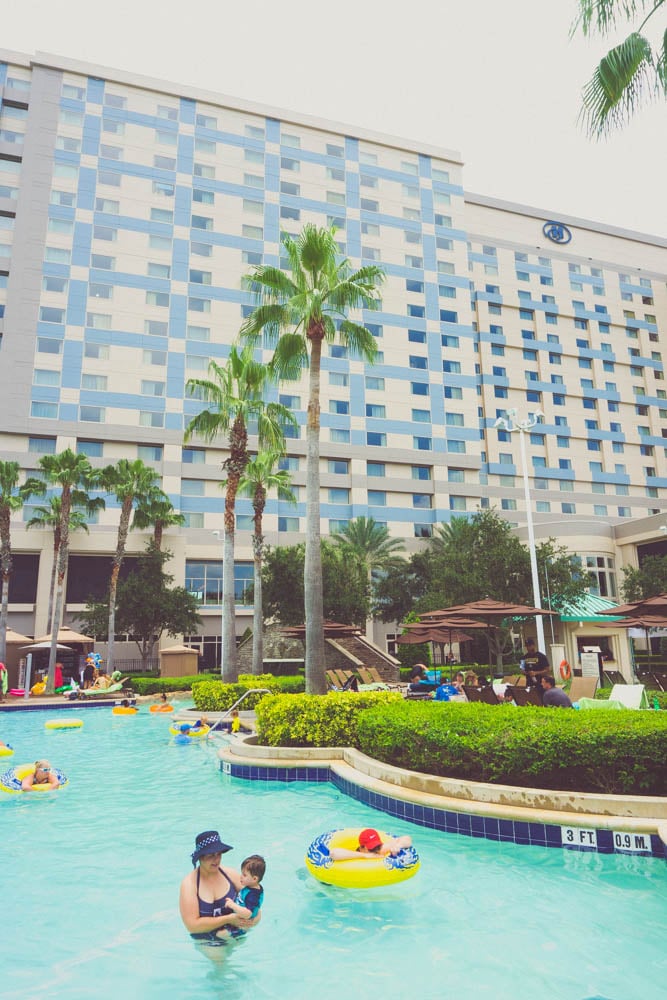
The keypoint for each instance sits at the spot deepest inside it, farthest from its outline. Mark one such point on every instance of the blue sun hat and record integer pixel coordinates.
(208, 842)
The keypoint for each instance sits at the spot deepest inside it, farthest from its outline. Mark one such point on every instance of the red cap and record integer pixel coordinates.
(370, 839)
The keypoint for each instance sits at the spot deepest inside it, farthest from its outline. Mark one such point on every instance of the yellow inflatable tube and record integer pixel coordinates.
(124, 710)
(177, 730)
(64, 724)
(11, 780)
(376, 870)
(6, 750)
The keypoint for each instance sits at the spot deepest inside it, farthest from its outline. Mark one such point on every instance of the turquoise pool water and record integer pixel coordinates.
(89, 880)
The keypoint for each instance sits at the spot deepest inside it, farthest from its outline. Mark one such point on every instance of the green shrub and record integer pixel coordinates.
(306, 720)
(533, 747)
(214, 696)
(156, 685)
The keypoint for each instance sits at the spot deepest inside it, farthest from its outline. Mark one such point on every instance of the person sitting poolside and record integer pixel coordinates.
(552, 696)
(42, 775)
(370, 843)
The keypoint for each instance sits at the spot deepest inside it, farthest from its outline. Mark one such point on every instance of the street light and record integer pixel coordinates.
(220, 535)
(511, 423)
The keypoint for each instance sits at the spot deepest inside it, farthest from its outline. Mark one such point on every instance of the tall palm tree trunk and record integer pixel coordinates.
(257, 613)
(123, 529)
(230, 666)
(52, 584)
(63, 558)
(4, 614)
(312, 574)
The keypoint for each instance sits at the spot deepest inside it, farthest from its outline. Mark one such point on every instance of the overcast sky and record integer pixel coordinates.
(497, 80)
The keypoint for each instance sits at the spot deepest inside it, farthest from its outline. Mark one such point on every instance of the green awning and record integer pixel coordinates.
(587, 609)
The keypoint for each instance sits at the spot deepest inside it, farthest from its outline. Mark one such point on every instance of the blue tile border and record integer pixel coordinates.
(468, 824)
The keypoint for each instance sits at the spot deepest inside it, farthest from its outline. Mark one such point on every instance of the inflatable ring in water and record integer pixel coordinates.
(177, 731)
(6, 750)
(64, 724)
(124, 710)
(161, 708)
(11, 780)
(374, 871)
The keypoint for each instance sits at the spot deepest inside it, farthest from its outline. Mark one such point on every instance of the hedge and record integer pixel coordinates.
(214, 696)
(306, 720)
(618, 752)
(156, 685)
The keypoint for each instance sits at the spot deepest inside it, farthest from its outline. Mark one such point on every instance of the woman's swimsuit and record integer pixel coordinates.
(215, 909)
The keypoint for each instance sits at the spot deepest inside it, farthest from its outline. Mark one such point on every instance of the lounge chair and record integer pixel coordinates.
(104, 692)
(473, 693)
(488, 695)
(582, 687)
(630, 695)
(372, 681)
(526, 696)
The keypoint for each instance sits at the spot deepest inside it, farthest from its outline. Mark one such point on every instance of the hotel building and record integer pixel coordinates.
(129, 210)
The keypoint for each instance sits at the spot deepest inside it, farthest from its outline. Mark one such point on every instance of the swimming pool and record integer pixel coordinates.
(89, 883)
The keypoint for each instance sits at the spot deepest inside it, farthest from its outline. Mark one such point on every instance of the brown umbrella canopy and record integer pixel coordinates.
(648, 607)
(442, 636)
(16, 637)
(331, 630)
(487, 609)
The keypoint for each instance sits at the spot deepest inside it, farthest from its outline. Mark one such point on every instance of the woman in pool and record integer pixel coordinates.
(42, 775)
(204, 891)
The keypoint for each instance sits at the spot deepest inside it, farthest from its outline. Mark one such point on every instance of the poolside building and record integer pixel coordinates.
(130, 208)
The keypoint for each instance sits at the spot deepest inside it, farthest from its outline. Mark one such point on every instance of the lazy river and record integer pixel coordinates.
(90, 875)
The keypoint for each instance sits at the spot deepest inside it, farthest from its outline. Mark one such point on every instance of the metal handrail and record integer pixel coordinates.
(236, 704)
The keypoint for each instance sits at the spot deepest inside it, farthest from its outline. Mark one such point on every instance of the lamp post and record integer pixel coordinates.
(511, 423)
(220, 535)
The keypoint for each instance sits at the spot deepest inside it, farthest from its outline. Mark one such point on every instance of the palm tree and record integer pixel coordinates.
(159, 512)
(12, 498)
(450, 533)
(628, 72)
(370, 543)
(259, 478)
(296, 314)
(235, 392)
(132, 483)
(49, 518)
(76, 477)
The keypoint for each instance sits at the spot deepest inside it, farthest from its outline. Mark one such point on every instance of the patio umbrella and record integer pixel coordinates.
(488, 611)
(645, 608)
(66, 634)
(35, 647)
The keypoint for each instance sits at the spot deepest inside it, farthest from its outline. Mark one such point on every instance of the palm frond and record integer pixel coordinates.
(268, 283)
(290, 356)
(358, 339)
(619, 82)
(602, 16)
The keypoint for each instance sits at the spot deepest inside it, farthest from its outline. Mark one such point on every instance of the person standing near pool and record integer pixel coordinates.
(204, 892)
(534, 664)
(4, 681)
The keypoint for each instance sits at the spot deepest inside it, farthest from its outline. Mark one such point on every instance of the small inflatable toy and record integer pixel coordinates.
(124, 710)
(64, 724)
(6, 750)
(373, 870)
(11, 780)
(161, 708)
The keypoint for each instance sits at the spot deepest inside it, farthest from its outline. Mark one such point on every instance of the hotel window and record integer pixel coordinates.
(375, 410)
(92, 414)
(422, 443)
(375, 469)
(376, 440)
(150, 419)
(288, 524)
(338, 466)
(421, 416)
(339, 406)
(98, 352)
(377, 498)
(422, 501)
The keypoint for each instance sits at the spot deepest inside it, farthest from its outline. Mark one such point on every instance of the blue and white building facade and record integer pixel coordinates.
(130, 209)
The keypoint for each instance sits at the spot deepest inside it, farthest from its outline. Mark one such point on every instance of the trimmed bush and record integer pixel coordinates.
(156, 685)
(306, 720)
(214, 696)
(617, 752)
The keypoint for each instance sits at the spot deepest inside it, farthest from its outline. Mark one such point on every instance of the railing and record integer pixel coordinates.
(149, 666)
(236, 704)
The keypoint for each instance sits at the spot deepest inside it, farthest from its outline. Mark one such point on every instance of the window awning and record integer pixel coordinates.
(588, 609)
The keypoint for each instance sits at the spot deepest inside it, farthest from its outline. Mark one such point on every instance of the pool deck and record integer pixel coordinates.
(629, 824)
